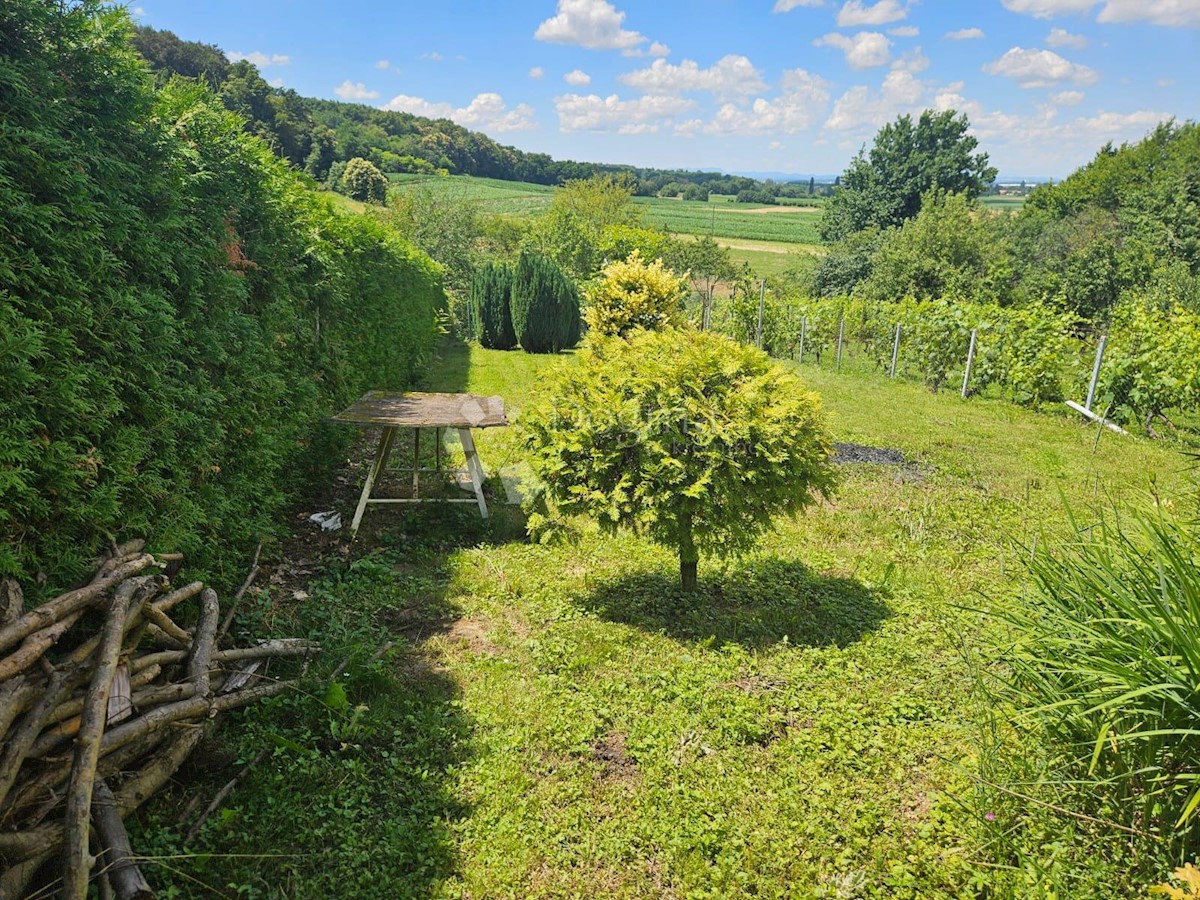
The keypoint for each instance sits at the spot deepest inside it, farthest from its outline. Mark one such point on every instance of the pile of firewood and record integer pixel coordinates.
(102, 698)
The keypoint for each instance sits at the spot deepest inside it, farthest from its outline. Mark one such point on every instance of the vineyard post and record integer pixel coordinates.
(762, 298)
(970, 361)
(803, 334)
(895, 352)
(841, 337)
(1091, 395)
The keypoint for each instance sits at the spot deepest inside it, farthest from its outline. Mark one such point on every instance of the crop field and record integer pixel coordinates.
(720, 218)
(768, 258)
(556, 719)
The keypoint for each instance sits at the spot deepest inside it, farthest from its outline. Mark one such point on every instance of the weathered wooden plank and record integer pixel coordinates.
(414, 409)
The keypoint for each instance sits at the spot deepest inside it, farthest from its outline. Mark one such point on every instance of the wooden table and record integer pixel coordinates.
(391, 410)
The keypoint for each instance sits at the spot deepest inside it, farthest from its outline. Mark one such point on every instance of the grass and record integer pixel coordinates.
(556, 720)
(768, 258)
(743, 221)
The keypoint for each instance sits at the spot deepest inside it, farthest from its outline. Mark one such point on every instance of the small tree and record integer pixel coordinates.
(634, 294)
(490, 317)
(362, 180)
(544, 305)
(687, 437)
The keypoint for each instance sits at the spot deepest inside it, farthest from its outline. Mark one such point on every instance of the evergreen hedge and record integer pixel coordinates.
(178, 313)
(491, 315)
(545, 305)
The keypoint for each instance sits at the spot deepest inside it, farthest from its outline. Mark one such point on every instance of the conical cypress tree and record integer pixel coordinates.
(490, 321)
(545, 305)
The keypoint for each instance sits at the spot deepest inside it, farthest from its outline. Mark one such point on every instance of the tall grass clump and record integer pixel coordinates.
(1105, 670)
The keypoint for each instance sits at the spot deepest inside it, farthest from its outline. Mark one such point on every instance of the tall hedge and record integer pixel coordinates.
(545, 305)
(491, 314)
(177, 312)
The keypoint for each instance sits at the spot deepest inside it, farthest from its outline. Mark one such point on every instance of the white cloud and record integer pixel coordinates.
(1156, 12)
(434, 56)
(1040, 69)
(657, 48)
(731, 76)
(138, 11)
(1060, 37)
(276, 82)
(801, 101)
(864, 50)
(690, 128)
(594, 24)
(964, 34)
(789, 5)
(861, 108)
(914, 61)
(579, 112)
(578, 78)
(536, 72)
(1067, 98)
(904, 31)
(349, 90)
(260, 59)
(775, 145)
(383, 64)
(1164, 82)
(487, 112)
(854, 13)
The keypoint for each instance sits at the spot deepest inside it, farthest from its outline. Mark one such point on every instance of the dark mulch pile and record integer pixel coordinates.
(845, 453)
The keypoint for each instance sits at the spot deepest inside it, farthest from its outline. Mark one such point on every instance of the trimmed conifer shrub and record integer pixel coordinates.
(544, 305)
(490, 314)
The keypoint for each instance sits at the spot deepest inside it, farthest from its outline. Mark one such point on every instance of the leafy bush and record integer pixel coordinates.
(177, 311)
(686, 436)
(491, 316)
(544, 305)
(1152, 363)
(935, 335)
(634, 294)
(1106, 666)
(361, 180)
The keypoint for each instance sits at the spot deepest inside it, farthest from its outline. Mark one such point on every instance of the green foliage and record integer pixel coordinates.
(1152, 362)
(688, 437)
(1028, 350)
(544, 305)
(177, 312)
(936, 336)
(572, 229)
(1105, 667)
(634, 294)
(906, 161)
(362, 181)
(491, 293)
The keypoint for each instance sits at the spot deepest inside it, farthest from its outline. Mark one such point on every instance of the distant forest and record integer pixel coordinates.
(314, 134)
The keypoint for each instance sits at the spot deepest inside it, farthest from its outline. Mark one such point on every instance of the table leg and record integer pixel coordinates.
(474, 467)
(381, 455)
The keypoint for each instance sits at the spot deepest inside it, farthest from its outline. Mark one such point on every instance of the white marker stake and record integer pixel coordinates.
(895, 353)
(803, 334)
(1091, 397)
(970, 361)
(841, 337)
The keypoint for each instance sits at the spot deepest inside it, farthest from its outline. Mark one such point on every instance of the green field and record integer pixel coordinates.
(720, 218)
(997, 202)
(557, 720)
(767, 258)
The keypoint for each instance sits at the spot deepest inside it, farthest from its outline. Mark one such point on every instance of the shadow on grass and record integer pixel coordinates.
(757, 604)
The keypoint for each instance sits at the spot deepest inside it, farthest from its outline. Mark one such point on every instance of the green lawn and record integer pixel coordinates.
(556, 720)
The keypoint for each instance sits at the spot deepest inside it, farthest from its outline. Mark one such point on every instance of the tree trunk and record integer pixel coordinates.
(688, 557)
(687, 574)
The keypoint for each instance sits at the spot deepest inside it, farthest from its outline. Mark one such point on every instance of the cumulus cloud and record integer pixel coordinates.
(864, 50)
(861, 108)
(594, 24)
(349, 90)
(855, 13)
(383, 64)
(434, 56)
(801, 101)
(536, 72)
(487, 112)
(1060, 37)
(1067, 98)
(657, 48)
(964, 34)
(904, 31)
(578, 78)
(731, 76)
(260, 59)
(789, 5)
(276, 82)
(640, 115)
(913, 61)
(1040, 69)
(1171, 13)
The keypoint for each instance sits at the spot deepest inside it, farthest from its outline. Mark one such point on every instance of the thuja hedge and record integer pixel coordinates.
(178, 313)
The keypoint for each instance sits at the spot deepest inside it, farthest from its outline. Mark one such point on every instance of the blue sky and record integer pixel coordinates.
(762, 85)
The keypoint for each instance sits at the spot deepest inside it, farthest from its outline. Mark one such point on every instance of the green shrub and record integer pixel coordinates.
(544, 305)
(1152, 363)
(362, 180)
(687, 436)
(178, 313)
(491, 323)
(634, 294)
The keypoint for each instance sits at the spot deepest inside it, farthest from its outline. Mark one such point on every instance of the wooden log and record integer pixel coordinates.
(116, 856)
(12, 600)
(68, 603)
(19, 743)
(148, 587)
(137, 789)
(206, 635)
(118, 555)
(35, 644)
(162, 621)
(237, 598)
(15, 881)
(177, 596)
(87, 748)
